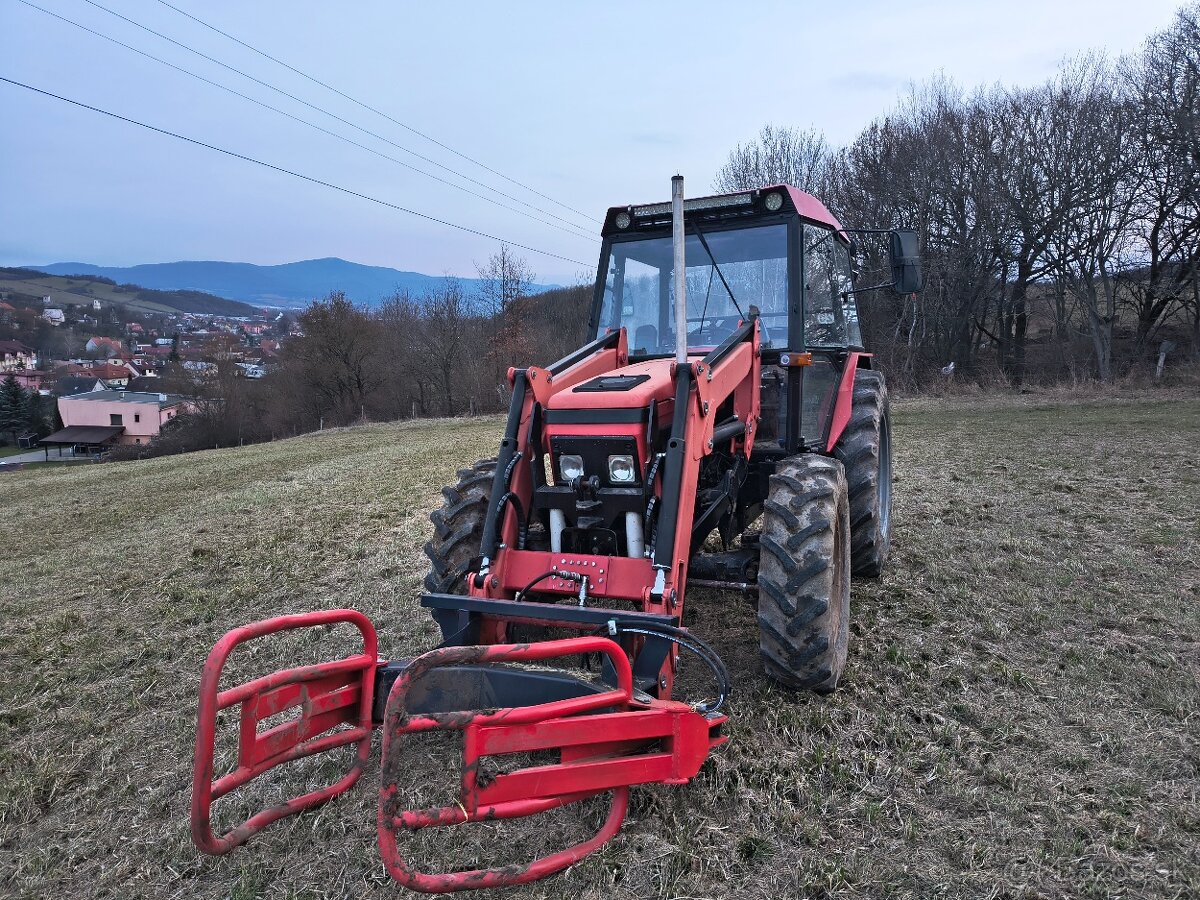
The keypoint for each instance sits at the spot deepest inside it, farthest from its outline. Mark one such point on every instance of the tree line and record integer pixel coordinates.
(1060, 223)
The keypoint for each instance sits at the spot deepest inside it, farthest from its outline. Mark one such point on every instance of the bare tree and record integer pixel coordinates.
(1164, 81)
(446, 335)
(411, 379)
(332, 370)
(798, 157)
(505, 279)
(1085, 253)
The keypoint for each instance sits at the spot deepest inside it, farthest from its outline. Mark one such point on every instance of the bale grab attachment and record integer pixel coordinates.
(608, 737)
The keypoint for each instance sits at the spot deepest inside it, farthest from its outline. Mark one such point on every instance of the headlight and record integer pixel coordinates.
(621, 469)
(570, 467)
(773, 202)
(622, 221)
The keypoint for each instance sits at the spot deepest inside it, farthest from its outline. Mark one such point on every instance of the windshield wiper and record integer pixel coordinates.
(713, 259)
(707, 294)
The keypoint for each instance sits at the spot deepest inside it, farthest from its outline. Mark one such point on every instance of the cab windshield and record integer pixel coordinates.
(747, 267)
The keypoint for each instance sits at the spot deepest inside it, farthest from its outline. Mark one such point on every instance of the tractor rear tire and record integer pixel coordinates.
(865, 449)
(804, 574)
(458, 528)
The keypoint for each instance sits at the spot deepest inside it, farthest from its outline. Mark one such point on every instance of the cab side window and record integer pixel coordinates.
(824, 324)
(843, 282)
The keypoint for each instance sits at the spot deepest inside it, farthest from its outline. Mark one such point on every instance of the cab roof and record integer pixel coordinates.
(747, 204)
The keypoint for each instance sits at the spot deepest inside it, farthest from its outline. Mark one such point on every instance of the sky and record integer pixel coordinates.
(582, 106)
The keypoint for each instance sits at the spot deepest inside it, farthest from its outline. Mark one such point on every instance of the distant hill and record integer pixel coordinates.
(287, 285)
(85, 288)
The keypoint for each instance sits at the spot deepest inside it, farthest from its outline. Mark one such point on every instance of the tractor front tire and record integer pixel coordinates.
(458, 528)
(804, 574)
(865, 449)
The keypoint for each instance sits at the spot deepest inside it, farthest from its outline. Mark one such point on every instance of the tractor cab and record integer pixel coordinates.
(776, 255)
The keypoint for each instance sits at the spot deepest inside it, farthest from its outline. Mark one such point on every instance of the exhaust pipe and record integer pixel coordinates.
(680, 270)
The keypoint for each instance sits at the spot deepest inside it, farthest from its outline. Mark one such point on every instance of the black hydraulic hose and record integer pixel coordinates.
(647, 518)
(510, 497)
(553, 573)
(522, 524)
(652, 475)
(652, 524)
(508, 470)
(683, 635)
(689, 642)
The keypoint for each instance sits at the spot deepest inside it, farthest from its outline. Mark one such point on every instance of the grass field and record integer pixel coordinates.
(1020, 715)
(65, 290)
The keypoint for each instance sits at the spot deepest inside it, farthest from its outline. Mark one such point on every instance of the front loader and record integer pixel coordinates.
(723, 429)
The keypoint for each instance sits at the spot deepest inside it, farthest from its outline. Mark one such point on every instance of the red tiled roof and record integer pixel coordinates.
(109, 372)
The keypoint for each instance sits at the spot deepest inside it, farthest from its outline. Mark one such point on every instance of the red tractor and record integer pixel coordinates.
(725, 387)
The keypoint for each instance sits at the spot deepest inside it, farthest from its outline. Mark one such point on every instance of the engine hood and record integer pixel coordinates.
(629, 387)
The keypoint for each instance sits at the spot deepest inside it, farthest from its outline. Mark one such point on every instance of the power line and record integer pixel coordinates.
(323, 111)
(370, 108)
(294, 174)
(569, 229)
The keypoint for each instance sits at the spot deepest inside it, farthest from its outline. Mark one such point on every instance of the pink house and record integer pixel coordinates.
(118, 417)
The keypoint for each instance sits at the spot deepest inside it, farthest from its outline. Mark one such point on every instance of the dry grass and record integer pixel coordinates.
(1021, 715)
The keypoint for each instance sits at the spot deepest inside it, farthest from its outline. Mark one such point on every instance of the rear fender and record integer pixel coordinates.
(844, 405)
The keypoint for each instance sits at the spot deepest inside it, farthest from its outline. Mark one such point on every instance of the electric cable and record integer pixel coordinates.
(370, 108)
(567, 229)
(319, 109)
(286, 171)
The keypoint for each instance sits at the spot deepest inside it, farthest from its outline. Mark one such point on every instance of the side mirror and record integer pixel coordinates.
(907, 277)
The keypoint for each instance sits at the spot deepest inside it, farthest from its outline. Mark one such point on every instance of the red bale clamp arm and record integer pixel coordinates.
(608, 741)
(327, 695)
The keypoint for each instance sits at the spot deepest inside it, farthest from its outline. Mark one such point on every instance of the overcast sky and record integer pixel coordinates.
(592, 105)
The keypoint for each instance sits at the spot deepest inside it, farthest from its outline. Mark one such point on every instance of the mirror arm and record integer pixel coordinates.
(876, 287)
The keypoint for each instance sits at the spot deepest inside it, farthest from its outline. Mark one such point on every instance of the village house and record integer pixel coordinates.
(76, 384)
(15, 355)
(54, 316)
(114, 376)
(104, 345)
(103, 418)
(32, 379)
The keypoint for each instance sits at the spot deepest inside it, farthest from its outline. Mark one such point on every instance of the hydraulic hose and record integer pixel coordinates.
(510, 497)
(553, 573)
(650, 525)
(522, 524)
(687, 641)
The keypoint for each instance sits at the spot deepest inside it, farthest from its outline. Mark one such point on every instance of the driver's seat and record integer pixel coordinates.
(645, 339)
